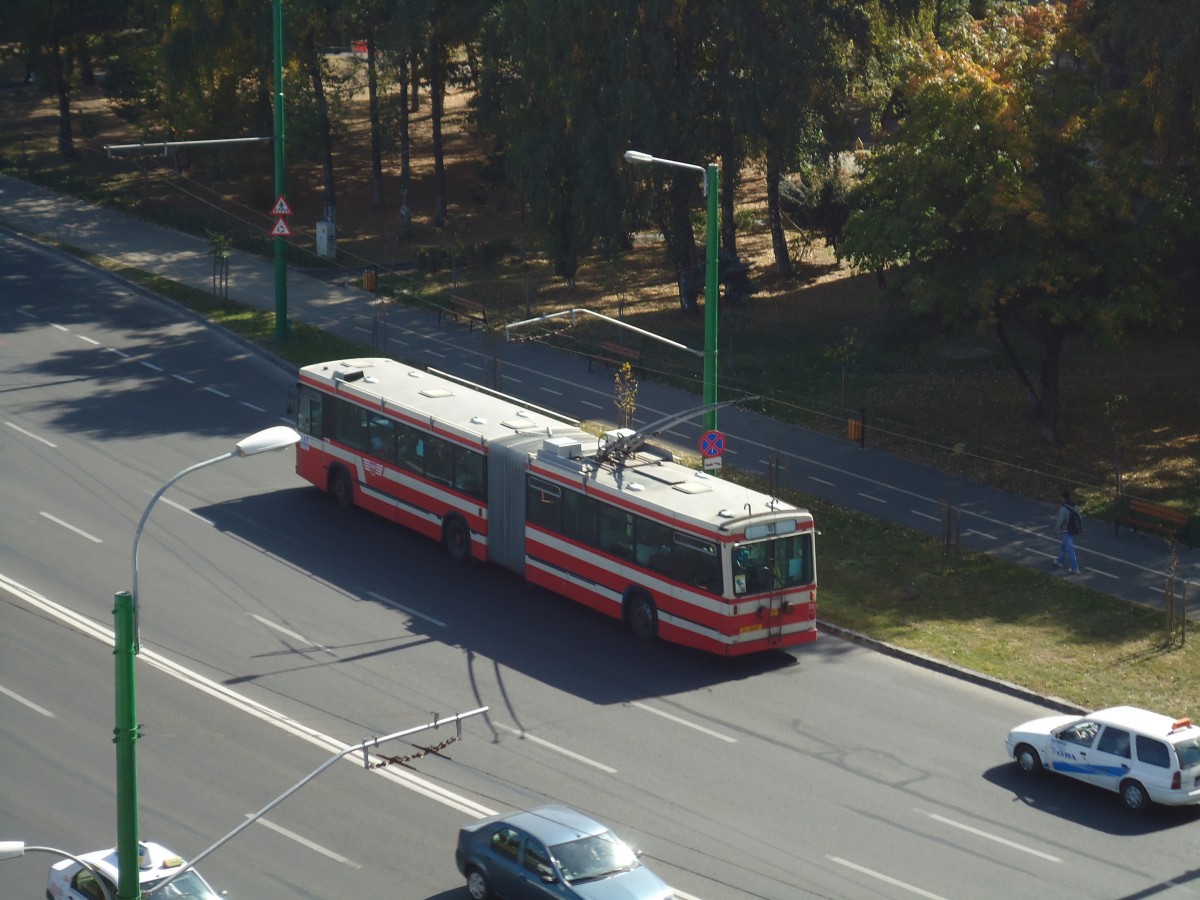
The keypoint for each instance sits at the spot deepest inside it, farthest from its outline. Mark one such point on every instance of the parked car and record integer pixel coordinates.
(552, 851)
(1144, 756)
(68, 880)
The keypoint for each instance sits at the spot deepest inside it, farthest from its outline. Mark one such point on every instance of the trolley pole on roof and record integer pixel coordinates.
(281, 320)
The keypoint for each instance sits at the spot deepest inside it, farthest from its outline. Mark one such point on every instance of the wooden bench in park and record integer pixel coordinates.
(1144, 516)
(463, 310)
(616, 354)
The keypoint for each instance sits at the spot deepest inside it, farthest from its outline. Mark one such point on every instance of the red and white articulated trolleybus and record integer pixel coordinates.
(611, 522)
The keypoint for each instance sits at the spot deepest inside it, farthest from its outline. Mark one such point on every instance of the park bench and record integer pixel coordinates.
(1144, 516)
(616, 354)
(463, 310)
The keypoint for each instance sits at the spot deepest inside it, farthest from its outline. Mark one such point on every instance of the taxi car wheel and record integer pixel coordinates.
(1134, 796)
(477, 885)
(1028, 760)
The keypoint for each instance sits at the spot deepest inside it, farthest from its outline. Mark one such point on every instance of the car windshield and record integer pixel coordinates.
(593, 857)
(1189, 753)
(188, 886)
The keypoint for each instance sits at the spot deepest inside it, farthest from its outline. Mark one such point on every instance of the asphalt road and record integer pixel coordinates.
(277, 628)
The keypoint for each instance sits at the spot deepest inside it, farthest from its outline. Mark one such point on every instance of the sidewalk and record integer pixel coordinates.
(1014, 528)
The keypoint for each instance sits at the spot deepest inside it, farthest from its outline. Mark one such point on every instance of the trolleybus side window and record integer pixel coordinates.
(382, 436)
(579, 517)
(470, 473)
(439, 459)
(542, 506)
(308, 413)
(350, 426)
(653, 542)
(697, 563)
(616, 531)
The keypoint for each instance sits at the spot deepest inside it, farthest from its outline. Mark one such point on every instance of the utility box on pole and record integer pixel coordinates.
(326, 240)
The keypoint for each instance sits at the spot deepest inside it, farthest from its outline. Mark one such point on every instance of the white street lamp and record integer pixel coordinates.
(710, 176)
(128, 644)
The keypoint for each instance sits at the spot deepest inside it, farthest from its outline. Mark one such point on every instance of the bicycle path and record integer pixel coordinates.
(1018, 529)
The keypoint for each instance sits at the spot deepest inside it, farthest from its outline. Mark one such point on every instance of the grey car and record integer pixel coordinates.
(552, 851)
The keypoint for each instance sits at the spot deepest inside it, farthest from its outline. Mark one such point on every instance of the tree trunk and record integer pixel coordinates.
(1051, 379)
(407, 63)
(437, 89)
(61, 64)
(376, 136)
(783, 259)
(323, 126)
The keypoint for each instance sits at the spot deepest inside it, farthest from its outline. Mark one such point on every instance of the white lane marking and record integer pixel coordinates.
(40, 709)
(311, 845)
(182, 378)
(213, 390)
(821, 481)
(551, 391)
(239, 701)
(412, 612)
(983, 534)
(526, 736)
(991, 837)
(86, 339)
(925, 515)
(363, 329)
(887, 879)
(513, 379)
(435, 353)
(149, 365)
(27, 315)
(591, 404)
(30, 434)
(120, 353)
(471, 365)
(1091, 570)
(293, 635)
(60, 327)
(872, 497)
(696, 726)
(182, 508)
(70, 527)
(252, 406)
(682, 895)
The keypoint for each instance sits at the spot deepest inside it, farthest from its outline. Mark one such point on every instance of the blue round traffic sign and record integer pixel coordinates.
(712, 444)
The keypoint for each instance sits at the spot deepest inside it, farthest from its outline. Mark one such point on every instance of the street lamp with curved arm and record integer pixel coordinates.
(14, 849)
(278, 437)
(710, 176)
(126, 635)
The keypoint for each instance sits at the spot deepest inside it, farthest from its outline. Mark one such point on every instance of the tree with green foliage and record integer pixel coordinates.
(1002, 207)
(55, 38)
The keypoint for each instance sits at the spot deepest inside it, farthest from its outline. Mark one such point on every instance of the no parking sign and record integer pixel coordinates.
(712, 445)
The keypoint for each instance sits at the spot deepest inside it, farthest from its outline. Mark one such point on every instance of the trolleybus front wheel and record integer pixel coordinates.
(341, 487)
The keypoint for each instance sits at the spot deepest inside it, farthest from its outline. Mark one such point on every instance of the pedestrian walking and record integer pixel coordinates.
(1068, 524)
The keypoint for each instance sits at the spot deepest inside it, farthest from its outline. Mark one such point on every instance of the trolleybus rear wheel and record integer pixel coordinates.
(643, 616)
(457, 538)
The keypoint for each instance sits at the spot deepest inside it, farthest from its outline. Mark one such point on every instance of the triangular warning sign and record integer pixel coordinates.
(281, 229)
(281, 207)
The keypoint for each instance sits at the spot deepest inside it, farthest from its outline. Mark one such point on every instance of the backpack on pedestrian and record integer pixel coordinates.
(1074, 520)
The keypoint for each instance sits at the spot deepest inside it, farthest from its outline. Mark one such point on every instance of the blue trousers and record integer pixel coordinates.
(1066, 553)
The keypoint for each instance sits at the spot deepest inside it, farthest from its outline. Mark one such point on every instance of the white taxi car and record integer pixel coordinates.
(70, 881)
(1144, 756)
